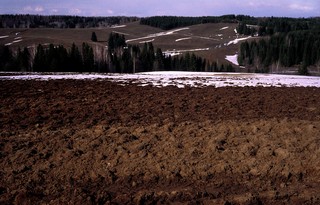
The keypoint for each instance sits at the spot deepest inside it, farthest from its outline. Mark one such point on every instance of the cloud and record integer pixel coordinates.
(75, 11)
(35, 9)
(299, 7)
(110, 12)
(39, 9)
(54, 10)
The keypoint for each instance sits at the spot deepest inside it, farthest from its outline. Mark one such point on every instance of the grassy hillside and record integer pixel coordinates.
(203, 36)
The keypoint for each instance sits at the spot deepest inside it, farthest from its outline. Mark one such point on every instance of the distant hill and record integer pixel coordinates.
(218, 40)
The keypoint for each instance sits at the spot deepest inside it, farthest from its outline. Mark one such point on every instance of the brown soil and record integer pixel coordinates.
(96, 142)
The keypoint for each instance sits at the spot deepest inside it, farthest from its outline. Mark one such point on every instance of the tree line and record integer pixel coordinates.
(171, 22)
(119, 58)
(60, 21)
(272, 25)
(133, 58)
(49, 59)
(296, 48)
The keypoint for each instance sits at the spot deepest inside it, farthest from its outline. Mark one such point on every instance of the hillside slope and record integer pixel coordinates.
(207, 40)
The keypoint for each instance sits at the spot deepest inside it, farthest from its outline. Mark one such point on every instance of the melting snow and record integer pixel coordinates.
(118, 26)
(147, 41)
(224, 28)
(17, 41)
(178, 52)
(157, 34)
(233, 59)
(235, 41)
(183, 79)
(183, 39)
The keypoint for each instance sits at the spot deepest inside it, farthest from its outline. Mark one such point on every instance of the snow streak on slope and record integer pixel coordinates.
(235, 41)
(224, 28)
(157, 35)
(183, 39)
(181, 79)
(16, 41)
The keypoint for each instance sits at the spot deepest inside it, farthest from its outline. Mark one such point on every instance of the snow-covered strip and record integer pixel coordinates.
(157, 35)
(179, 52)
(17, 41)
(147, 41)
(183, 39)
(118, 26)
(4, 37)
(233, 59)
(235, 30)
(176, 30)
(188, 50)
(171, 53)
(235, 41)
(121, 33)
(183, 79)
(224, 28)
(17, 38)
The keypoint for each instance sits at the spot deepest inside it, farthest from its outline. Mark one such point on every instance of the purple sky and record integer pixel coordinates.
(289, 8)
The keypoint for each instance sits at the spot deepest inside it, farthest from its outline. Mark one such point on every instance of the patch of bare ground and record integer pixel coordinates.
(95, 142)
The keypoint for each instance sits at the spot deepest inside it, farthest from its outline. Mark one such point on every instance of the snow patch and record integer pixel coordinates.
(16, 41)
(4, 37)
(183, 39)
(157, 35)
(147, 41)
(118, 26)
(181, 79)
(235, 41)
(235, 30)
(178, 52)
(224, 28)
(233, 59)
(169, 53)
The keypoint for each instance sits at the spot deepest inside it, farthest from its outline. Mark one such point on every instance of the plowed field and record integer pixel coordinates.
(96, 142)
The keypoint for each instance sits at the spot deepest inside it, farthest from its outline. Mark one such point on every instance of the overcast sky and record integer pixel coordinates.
(141, 8)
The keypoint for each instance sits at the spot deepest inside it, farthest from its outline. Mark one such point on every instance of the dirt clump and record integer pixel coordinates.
(96, 142)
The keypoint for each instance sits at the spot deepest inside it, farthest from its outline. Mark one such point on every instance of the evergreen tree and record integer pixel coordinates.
(6, 57)
(94, 37)
(26, 59)
(159, 60)
(39, 62)
(23, 59)
(75, 59)
(127, 61)
(88, 58)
